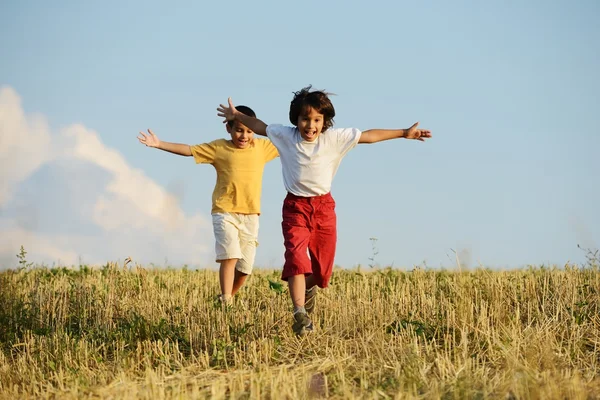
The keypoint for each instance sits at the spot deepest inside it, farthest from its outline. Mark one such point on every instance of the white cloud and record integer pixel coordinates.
(135, 196)
(51, 247)
(133, 215)
(24, 143)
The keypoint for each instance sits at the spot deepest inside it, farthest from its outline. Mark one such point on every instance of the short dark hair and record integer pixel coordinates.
(244, 110)
(318, 100)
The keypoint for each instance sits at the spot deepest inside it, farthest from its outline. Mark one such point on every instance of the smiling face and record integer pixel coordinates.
(241, 135)
(310, 124)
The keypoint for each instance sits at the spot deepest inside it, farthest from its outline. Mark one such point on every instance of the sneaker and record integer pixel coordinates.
(303, 324)
(310, 299)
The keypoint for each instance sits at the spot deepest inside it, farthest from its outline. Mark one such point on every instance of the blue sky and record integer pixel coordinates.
(510, 91)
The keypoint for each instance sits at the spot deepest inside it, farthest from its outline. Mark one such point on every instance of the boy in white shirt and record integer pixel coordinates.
(311, 152)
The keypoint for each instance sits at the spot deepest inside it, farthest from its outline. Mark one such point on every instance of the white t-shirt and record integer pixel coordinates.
(309, 167)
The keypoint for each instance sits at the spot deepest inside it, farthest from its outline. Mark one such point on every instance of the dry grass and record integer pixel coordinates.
(138, 333)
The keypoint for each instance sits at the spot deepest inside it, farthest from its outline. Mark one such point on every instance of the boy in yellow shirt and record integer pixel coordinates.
(239, 163)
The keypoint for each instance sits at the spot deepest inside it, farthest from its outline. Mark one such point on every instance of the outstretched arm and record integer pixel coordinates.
(378, 135)
(232, 114)
(151, 140)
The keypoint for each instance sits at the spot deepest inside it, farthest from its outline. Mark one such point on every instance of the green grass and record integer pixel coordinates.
(114, 332)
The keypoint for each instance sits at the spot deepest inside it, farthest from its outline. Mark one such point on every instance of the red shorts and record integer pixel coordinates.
(310, 236)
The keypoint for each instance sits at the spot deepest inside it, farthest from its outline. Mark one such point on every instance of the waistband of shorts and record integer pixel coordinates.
(312, 199)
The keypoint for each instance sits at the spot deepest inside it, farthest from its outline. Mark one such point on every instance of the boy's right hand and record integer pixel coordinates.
(150, 140)
(227, 112)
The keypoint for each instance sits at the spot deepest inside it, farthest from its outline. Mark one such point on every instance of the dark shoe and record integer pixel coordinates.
(303, 324)
(310, 299)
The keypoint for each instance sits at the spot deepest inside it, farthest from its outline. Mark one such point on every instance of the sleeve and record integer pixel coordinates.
(270, 151)
(347, 138)
(279, 134)
(204, 153)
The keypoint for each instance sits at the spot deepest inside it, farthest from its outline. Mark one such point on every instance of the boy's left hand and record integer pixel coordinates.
(418, 134)
(227, 112)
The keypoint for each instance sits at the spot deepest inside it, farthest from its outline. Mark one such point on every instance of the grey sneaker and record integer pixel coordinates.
(303, 324)
(310, 299)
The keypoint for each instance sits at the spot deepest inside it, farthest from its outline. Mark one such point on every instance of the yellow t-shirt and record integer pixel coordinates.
(239, 173)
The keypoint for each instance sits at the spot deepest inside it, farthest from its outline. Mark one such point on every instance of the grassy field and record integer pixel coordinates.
(121, 333)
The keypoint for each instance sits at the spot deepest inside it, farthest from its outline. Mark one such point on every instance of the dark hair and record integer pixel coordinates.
(244, 110)
(317, 100)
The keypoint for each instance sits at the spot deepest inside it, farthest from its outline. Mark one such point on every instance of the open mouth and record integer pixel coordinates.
(310, 135)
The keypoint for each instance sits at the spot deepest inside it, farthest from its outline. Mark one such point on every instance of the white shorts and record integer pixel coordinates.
(236, 236)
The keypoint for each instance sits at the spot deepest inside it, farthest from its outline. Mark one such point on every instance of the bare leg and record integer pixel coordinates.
(303, 324)
(297, 285)
(238, 281)
(226, 276)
